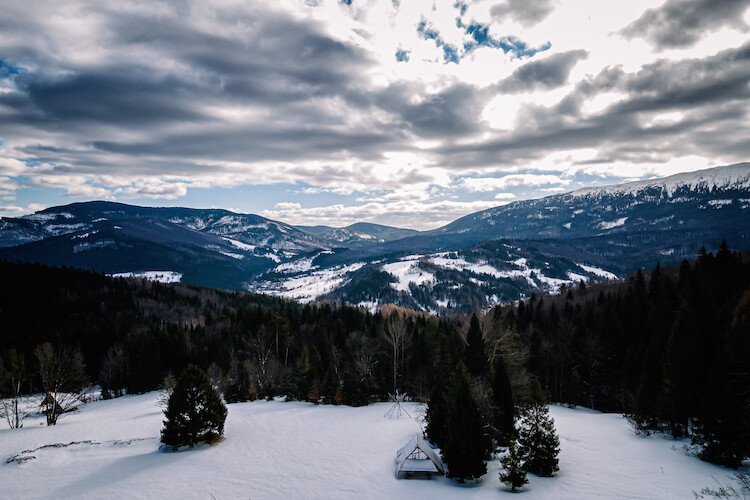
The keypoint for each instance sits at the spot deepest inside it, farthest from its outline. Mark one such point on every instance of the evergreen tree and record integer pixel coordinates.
(538, 442)
(436, 417)
(536, 394)
(466, 447)
(514, 474)
(195, 413)
(330, 386)
(502, 393)
(476, 354)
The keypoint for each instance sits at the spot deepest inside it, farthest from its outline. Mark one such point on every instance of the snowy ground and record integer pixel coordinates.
(297, 450)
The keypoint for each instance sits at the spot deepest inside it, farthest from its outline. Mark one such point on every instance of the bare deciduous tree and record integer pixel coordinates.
(397, 336)
(61, 372)
(505, 342)
(113, 372)
(13, 405)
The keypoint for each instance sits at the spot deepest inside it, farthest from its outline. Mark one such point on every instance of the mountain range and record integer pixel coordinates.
(495, 255)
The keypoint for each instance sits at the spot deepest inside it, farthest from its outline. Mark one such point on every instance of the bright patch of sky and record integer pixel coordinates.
(332, 112)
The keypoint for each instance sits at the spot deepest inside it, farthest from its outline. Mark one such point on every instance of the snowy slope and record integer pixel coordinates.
(297, 450)
(706, 205)
(440, 283)
(734, 177)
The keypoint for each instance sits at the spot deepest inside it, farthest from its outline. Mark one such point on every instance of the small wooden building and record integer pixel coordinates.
(417, 458)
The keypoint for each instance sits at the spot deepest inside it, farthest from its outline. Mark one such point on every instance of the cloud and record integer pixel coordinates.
(712, 93)
(15, 210)
(547, 73)
(487, 184)
(123, 100)
(287, 206)
(525, 12)
(681, 23)
(399, 213)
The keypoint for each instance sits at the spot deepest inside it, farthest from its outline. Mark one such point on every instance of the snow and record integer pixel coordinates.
(553, 284)
(598, 272)
(577, 278)
(719, 203)
(46, 217)
(371, 306)
(241, 245)
(272, 256)
(86, 246)
(84, 235)
(232, 255)
(160, 276)
(461, 265)
(612, 224)
(65, 228)
(730, 177)
(407, 271)
(298, 450)
(307, 287)
(297, 266)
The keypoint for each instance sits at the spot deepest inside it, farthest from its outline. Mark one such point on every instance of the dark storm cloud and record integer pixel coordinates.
(292, 74)
(681, 23)
(525, 12)
(452, 112)
(263, 142)
(547, 73)
(111, 95)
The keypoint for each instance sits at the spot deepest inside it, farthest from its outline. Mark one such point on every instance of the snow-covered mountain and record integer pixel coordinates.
(248, 229)
(692, 201)
(509, 252)
(499, 254)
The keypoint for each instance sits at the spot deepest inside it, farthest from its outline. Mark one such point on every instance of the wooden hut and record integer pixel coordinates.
(417, 458)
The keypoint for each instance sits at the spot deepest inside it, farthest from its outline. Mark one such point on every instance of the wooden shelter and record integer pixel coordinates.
(417, 458)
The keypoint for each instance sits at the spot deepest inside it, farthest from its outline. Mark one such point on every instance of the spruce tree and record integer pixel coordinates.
(502, 393)
(538, 442)
(466, 447)
(514, 475)
(436, 416)
(476, 354)
(195, 413)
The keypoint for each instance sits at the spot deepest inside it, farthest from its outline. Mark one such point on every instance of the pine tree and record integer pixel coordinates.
(466, 447)
(476, 354)
(538, 442)
(195, 413)
(514, 475)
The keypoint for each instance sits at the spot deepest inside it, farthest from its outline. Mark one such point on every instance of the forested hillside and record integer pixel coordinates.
(670, 346)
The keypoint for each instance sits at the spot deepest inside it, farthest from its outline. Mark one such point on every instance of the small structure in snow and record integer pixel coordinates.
(396, 409)
(418, 458)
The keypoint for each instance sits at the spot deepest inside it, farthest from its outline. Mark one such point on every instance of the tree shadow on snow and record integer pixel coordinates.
(112, 474)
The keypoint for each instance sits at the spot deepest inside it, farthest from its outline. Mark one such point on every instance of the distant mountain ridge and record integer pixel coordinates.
(359, 232)
(498, 254)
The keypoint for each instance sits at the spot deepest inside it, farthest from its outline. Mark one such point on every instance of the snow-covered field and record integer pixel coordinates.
(297, 450)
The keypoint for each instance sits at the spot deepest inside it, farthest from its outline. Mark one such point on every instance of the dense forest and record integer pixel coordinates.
(670, 347)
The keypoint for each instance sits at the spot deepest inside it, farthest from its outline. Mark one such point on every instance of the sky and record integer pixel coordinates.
(401, 112)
